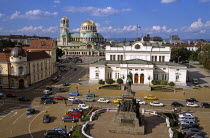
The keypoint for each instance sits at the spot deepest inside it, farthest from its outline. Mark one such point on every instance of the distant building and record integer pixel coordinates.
(21, 67)
(174, 38)
(24, 39)
(192, 46)
(144, 60)
(87, 42)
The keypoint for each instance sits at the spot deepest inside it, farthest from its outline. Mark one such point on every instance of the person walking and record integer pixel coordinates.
(66, 103)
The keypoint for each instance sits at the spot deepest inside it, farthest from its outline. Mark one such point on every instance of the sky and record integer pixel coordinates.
(190, 19)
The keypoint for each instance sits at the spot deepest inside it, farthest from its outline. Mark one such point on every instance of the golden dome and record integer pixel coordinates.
(64, 18)
(88, 23)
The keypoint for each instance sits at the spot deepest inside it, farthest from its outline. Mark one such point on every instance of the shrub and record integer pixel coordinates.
(154, 82)
(119, 81)
(110, 81)
(171, 84)
(101, 82)
(163, 82)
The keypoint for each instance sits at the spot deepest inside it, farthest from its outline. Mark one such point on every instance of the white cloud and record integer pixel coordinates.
(33, 14)
(197, 24)
(38, 29)
(168, 1)
(161, 29)
(94, 11)
(202, 31)
(57, 1)
(1, 15)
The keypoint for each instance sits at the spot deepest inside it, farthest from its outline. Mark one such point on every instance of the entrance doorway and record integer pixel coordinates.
(136, 77)
(21, 83)
(142, 78)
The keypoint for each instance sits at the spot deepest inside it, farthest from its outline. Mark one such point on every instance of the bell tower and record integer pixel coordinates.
(64, 30)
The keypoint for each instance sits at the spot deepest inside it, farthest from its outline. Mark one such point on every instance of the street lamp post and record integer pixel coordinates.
(178, 58)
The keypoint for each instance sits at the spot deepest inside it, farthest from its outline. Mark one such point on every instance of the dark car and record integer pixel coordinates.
(11, 95)
(49, 101)
(77, 101)
(44, 97)
(46, 118)
(176, 104)
(68, 119)
(205, 105)
(60, 98)
(30, 111)
(89, 99)
(191, 100)
(48, 88)
(75, 69)
(65, 84)
(62, 89)
(192, 131)
(24, 99)
(192, 125)
(55, 134)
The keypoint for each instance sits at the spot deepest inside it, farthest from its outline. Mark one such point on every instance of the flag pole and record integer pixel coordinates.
(137, 31)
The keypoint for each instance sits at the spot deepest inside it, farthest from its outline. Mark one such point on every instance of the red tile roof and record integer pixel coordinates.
(42, 44)
(36, 55)
(4, 56)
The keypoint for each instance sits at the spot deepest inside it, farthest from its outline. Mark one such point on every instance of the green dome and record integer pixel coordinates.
(75, 35)
(93, 35)
(64, 33)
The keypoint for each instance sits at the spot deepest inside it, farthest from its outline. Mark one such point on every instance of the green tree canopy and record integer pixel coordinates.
(8, 43)
(181, 52)
(157, 38)
(59, 53)
(204, 56)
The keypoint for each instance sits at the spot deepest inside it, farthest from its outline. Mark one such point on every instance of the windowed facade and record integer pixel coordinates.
(97, 75)
(155, 76)
(20, 71)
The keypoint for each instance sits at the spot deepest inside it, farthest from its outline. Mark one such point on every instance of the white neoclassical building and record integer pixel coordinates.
(146, 61)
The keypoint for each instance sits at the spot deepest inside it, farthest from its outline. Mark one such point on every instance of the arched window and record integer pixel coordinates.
(13, 83)
(21, 72)
(1, 69)
(12, 70)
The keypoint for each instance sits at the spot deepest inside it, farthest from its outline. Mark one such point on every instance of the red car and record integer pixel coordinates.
(11, 95)
(60, 98)
(74, 114)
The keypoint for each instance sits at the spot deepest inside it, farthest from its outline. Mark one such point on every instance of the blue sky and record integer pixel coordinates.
(189, 19)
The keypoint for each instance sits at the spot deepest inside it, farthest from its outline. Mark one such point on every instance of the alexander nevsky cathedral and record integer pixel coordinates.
(86, 42)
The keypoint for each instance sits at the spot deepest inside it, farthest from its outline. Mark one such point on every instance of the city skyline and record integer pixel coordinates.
(114, 19)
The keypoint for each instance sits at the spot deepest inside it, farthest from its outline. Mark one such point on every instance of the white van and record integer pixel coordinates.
(195, 81)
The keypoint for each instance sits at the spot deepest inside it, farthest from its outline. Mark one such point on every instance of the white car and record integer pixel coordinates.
(140, 101)
(190, 104)
(186, 115)
(103, 100)
(83, 106)
(155, 103)
(72, 98)
(47, 92)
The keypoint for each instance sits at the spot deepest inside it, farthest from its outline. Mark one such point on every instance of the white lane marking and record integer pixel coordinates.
(29, 116)
(29, 127)
(15, 113)
(17, 119)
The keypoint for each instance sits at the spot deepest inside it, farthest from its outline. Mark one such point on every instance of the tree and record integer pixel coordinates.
(59, 53)
(120, 81)
(181, 52)
(101, 82)
(171, 84)
(8, 43)
(204, 56)
(157, 38)
(110, 81)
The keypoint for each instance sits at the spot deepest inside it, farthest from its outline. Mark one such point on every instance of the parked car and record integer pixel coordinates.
(103, 100)
(117, 100)
(89, 99)
(46, 118)
(11, 95)
(191, 104)
(76, 115)
(155, 103)
(47, 91)
(186, 115)
(57, 133)
(71, 98)
(75, 109)
(194, 80)
(186, 118)
(140, 101)
(191, 131)
(24, 99)
(62, 89)
(77, 101)
(65, 84)
(1, 95)
(60, 98)
(150, 97)
(74, 93)
(44, 97)
(83, 106)
(187, 126)
(90, 95)
(30, 111)
(68, 119)
(205, 105)
(177, 104)
(49, 101)
(54, 78)
(191, 100)
(63, 130)
(187, 122)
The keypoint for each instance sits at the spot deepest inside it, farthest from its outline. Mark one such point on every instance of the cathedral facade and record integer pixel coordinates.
(86, 42)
